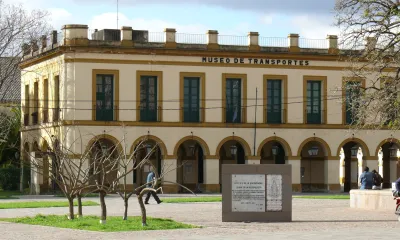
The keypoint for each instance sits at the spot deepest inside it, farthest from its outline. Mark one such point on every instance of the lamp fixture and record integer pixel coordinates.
(192, 149)
(233, 149)
(354, 151)
(393, 151)
(148, 148)
(275, 150)
(313, 151)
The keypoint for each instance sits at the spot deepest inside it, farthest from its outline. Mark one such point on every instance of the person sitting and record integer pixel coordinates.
(366, 179)
(377, 180)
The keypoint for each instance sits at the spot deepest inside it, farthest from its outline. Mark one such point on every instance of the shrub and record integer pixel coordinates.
(10, 178)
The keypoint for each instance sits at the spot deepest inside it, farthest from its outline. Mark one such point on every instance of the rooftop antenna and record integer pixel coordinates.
(117, 12)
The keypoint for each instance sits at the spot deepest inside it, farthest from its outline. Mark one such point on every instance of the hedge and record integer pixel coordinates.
(10, 178)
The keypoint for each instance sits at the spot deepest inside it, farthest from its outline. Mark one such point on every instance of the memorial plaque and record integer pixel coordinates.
(248, 193)
(274, 193)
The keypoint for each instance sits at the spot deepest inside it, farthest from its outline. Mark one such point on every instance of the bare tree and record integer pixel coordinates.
(371, 39)
(102, 167)
(123, 163)
(18, 30)
(73, 173)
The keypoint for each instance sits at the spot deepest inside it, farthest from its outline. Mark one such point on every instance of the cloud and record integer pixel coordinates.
(59, 17)
(267, 19)
(313, 26)
(261, 6)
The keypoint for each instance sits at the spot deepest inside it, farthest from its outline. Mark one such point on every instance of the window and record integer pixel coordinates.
(274, 101)
(313, 109)
(56, 109)
(191, 99)
(45, 101)
(352, 92)
(391, 93)
(104, 97)
(27, 109)
(233, 100)
(35, 115)
(148, 98)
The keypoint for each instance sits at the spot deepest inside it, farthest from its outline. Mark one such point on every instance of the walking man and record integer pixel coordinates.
(150, 181)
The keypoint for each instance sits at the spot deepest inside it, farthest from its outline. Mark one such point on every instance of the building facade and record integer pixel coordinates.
(205, 103)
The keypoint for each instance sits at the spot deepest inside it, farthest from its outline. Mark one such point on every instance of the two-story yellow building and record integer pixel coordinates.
(207, 100)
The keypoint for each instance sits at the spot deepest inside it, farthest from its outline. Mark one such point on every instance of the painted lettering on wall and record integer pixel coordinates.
(265, 61)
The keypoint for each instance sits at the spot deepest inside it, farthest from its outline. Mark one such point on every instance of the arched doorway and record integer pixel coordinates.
(390, 169)
(103, 152)
(150, 146)
(190, 172)
(231, 152)
(54, 160)
(351, 164)
(26, 159)
(273, 153)
(312, 167)
(46, 167)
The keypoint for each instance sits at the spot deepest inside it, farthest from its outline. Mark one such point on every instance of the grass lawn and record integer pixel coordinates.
(9, 194)
(192, 199)
(219, 199)
(324, 197)
(89, 195)
(48, 204)
(91, 223)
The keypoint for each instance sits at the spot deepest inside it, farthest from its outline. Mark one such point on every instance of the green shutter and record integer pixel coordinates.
(314, 102)
(191, 99)
(233, 100)
(104, 97)
(274, 101)
(148, 98)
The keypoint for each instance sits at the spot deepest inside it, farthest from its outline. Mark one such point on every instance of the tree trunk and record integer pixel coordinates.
(142, 209)
(79, 197)
(71, 208)
(103, 206)
(126, 209)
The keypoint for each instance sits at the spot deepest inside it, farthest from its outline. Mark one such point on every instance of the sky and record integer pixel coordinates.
(312, 19)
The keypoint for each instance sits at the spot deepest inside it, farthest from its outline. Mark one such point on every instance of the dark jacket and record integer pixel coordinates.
(377, 179)
(397, 183)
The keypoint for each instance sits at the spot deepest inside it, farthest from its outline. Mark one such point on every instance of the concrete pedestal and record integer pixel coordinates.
(372, 199)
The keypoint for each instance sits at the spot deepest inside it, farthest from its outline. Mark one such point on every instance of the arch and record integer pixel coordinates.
(44, 145)
(244, 144)
(315, 139)
(161, 144)
(282, 141)
(35, 146)
(199, 140)
(105, 136)
(356, 140)
(388, 140)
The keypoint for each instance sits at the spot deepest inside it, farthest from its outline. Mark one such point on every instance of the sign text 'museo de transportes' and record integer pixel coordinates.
(265, 61)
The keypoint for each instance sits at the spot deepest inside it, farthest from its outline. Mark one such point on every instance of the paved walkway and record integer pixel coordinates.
(312, 219)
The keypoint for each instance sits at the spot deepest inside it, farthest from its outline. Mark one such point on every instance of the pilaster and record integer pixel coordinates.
(170, 41)
(294, 42)
(212, 40)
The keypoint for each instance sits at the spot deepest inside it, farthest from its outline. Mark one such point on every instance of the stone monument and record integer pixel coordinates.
(257, 193)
